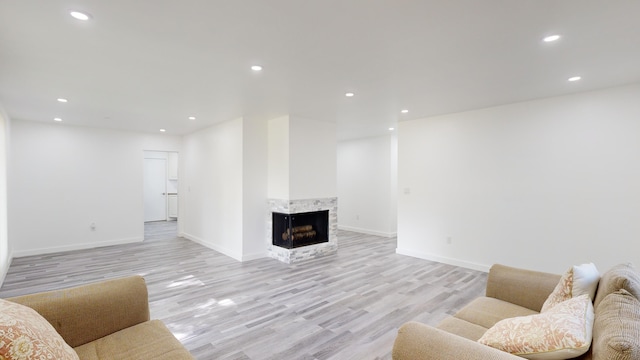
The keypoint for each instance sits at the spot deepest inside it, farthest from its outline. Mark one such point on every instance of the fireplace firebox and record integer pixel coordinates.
(301, 229)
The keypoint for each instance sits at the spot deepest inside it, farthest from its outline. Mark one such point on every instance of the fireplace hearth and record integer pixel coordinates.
(302, 229)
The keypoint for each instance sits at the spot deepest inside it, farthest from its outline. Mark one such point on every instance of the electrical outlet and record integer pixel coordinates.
(357, 217)
(449, 240)
(93, 226)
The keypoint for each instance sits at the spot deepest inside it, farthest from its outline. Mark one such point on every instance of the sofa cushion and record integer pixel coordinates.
(25, 334)
(149, 340)
(562, 332)
(487, 311)
(621, 276)
(616, 331)
(420, 341)
(462, 328)
(522, 287)
(85, 313)
(578, 280)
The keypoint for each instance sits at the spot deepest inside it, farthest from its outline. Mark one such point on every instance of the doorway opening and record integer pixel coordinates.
(160, 195)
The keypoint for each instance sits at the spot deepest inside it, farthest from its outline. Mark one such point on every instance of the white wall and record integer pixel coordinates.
(301, 159)
(312, 156)
(5, 246)
(367, 185)
(278, 158)
(63, 178)
(254, 179)
(541, 184)
(212, 166)
(394, 183)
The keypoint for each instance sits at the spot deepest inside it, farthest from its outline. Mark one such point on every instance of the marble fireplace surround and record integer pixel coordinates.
(290, 256)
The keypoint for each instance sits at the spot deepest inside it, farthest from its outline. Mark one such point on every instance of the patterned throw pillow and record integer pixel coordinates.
(563, 332)
(24, 334)
(578, 280)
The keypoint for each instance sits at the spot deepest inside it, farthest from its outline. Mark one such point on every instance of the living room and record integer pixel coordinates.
(542, 179)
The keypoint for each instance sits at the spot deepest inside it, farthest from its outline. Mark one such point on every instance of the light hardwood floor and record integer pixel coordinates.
(160, 230)
(347, 306)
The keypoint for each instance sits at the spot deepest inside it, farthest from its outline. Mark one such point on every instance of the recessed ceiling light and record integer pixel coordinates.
(162, 130)
(574, 78)
(62, 100)
(57, 119)
(404, 111)
(80, 15)
(391, 129)
(256, 68)
(192, 117)
(551, 38)
(349, 94)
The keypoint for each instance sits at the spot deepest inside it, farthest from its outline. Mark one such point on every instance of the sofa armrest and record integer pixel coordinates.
(522, 287)
(420, 341)
(86, 313)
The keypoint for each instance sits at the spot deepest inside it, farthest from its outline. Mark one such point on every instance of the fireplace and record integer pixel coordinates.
(314, 221)
(301, 229)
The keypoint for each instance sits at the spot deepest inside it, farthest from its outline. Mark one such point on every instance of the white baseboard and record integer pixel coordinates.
(73, 247)
(444, 260)
(367, 231)
(3, 272)
(220, 249)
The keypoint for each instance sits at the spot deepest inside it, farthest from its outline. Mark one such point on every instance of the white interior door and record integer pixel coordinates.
(155, 189)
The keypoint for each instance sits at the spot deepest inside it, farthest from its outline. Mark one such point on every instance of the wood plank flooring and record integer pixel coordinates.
(347, 306)
(160, 230)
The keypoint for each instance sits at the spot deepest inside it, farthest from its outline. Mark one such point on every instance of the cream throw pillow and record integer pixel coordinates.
(563, 332)
(578, 280)
(24, 334)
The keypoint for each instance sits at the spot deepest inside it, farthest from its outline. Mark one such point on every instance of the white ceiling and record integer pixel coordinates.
(143, 65)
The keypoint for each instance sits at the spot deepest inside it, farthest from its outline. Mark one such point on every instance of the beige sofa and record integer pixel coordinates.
(515, 292)
(107, 320)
